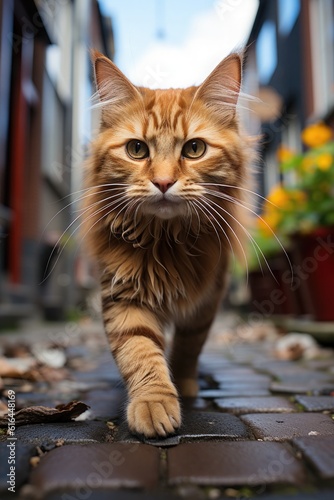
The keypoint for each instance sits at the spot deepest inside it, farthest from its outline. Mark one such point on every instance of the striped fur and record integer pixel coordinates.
(163, 257)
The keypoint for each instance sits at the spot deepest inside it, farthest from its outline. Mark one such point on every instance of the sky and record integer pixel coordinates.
(176, 43)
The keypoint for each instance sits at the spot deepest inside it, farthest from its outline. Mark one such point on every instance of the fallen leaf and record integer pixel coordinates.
(49, 374)
(17, 350)
(294, 346)
(43, 414)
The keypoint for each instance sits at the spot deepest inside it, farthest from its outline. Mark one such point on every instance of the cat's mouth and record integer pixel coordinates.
(165, 208)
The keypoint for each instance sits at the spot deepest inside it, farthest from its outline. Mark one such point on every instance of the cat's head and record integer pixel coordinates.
(164, 150)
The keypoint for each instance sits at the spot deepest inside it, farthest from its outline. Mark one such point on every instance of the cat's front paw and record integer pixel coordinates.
(154, 417)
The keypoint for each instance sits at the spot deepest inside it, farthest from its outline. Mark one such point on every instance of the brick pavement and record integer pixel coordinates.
(260, 428)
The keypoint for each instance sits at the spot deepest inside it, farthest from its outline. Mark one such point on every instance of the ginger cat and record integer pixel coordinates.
(162, 209)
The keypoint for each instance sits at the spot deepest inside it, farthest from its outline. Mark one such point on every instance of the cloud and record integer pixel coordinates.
(212, 37)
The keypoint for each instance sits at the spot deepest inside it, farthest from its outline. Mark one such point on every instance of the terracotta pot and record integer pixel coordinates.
(273, 292)
(314, 267)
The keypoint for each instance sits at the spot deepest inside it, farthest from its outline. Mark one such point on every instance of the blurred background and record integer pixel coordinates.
(46, 125)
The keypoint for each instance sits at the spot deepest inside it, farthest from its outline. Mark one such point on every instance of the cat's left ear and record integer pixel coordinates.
(220, 90)
(113, 87)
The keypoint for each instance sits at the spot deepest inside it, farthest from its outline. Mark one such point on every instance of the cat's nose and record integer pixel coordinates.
(163, 184)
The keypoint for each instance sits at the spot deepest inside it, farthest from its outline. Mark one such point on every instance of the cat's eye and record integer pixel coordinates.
(195, 148)
(138, 150)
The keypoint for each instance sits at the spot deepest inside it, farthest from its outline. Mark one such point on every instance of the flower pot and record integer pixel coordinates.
(315, 270)
(272, 291)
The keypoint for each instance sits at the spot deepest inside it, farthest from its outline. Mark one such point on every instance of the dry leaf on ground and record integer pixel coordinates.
(295, 346)
(43, 414)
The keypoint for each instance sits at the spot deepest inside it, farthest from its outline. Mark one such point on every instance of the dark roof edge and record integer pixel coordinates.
(257, 22)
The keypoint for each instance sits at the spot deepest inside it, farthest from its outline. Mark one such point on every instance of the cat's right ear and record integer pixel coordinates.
(113, 87)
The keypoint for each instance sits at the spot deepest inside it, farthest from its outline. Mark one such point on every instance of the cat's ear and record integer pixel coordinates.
(220, 90)
(113, 87)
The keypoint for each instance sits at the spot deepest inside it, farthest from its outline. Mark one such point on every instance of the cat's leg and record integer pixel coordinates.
(137, 344)
(189, 338)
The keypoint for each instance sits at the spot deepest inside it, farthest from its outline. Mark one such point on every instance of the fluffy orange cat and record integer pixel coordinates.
(163, 214)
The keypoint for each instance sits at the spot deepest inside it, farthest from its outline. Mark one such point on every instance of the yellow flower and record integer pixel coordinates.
(324, 161)
(278, 197)
(269, 222)
(284, 154)
(316, 135)
(297, 196)
(308, 165)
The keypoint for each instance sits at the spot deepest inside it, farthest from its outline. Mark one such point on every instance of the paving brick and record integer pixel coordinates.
(72, 432)
(237, 371)
(317, 495)
(264, 404)
(319, 451)
(107, 494)
(241, 378)
(196, 426)
(306, 378)
(194, 404)
(233, 463)
(23, 453)
(278, 367)
(234, 390)
(316, 403)
(319, 364)
(213, 361)
(97, 466)
(315, 387)
(281, 427)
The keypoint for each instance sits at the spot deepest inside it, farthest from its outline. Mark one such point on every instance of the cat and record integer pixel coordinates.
(162, 208)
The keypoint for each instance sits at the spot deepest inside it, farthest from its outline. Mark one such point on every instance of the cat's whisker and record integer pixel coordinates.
(91, 188)
(124, 200)
(95, 193)
(249, 191)
(93, 215)
(206, 201)
(235, 236)
(254, 242)
(238, 203)
(78, 200)
(228, 197)
(193, 208)
(103, 200)
(198, 219)
(148, 224)
(69, 237)
(249, 236)
(112, 226)
(204, 210)
(190, 219)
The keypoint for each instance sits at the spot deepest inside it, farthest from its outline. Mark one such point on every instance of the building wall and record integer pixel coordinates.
(45, 129)
(291, 52)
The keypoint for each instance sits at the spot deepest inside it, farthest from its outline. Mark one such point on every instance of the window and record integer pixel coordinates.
(322, 53)
(288, 12)
(266, 52)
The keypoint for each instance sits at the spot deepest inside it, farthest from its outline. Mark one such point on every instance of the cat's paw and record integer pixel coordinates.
(156, 417)
(187, 387)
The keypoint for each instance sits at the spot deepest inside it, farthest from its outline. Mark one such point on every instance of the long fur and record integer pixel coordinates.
(158, 269)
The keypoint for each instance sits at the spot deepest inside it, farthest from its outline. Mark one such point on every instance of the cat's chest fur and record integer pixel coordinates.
(170, 275)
